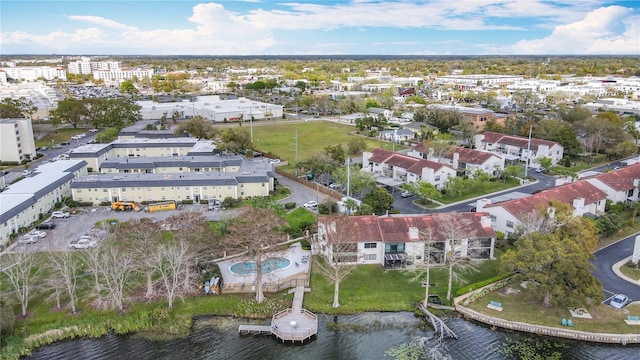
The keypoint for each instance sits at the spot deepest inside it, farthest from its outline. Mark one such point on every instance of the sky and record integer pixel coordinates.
(321, 27)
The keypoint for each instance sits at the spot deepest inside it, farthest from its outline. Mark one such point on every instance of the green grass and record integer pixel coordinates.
(631, 271)
(526, 306)
(60, 135)
(491, 187)
(300, 216)
(370, 288)
(313, 137)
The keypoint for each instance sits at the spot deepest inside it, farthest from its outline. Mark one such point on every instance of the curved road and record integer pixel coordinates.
(605, 259)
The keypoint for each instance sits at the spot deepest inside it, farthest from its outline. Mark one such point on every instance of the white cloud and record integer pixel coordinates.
(98, 20)
(595, 34)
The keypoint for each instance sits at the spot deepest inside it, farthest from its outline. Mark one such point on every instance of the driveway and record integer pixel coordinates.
(604, 261)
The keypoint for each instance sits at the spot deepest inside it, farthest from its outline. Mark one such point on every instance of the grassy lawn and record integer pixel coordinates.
(300, 216)
(370, 288)
(523, 305)
(313, 137)
(60, 135)
(630, 271)
(491, 187)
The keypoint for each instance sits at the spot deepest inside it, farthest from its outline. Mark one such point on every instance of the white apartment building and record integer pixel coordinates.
(22, 203)
(34, 73)
(466, 161)
(86, 66)
(122, 74)
(17, 140)
(520, 148)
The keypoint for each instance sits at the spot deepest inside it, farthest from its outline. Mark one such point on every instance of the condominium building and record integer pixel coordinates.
(33, 73)
(17, 140)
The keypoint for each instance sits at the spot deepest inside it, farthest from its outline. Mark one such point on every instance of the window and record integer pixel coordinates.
(162, 189)
(510, 224)
(370, 245)
(493, 218)
(369, 256)
(437, 178)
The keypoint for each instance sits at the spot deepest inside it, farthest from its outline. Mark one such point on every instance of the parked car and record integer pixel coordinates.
(214, 204)
(406, 194)
(59, 214)
(46, 226)
(27, 172)
(94, 130)
(619, 301)
(37, 233)
(28, 240)
(65, 143)
(310, 204)
(84, 242)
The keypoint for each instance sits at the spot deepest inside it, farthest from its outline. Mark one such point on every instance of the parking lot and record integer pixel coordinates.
(83, 222)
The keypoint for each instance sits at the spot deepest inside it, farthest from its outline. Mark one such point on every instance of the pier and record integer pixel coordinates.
(293, 324)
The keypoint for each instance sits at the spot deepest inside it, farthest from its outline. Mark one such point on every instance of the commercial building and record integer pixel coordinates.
(17, 140)
(23, 202)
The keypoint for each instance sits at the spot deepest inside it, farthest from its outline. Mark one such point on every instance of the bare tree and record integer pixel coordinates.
(113, 268)
(21, 268)
(452, 231)
(340, 251)
(140, 238)
(65, 266)
(255, 232)
(172, 260)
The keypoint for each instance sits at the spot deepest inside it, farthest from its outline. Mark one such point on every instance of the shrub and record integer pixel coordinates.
(478, 285)
(105, 203)
(290, 205)
(187, 202)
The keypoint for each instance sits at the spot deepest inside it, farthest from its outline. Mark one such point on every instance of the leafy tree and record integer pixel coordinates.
(319, 163)
(443, 119)
(425, 191)
(107, 135)
(116, 112)
(70, 111)
(557, 259)
(235, 141)
(358, 182)
(255, 231)
(341, 239)
(379, 200)
(442, 146)
(127, 87)
(197, 127)
(336, 153)
(545, 162)
(511, 171)
(356, 145)
(625, 148)
(17, 108)
(576, 114)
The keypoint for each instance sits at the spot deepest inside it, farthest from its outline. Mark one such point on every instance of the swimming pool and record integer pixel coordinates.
(268, 265)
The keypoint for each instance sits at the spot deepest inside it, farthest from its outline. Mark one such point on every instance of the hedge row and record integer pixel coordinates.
(480, 284)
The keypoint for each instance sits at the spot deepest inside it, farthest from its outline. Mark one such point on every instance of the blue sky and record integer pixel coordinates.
(321, 27)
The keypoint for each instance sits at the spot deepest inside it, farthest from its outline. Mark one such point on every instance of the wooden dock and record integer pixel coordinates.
(254, 329)
(293, 324)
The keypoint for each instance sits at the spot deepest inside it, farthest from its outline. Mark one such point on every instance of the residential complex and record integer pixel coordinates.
(520, 148)
(23, 202)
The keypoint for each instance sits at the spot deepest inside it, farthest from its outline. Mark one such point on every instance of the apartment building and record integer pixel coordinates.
(176, 179)
(22, 203)
(393, 169)
(582, 196)
(465, 161)
(621, 186)
(520, 148)
(397, 240)
(34, 73)
(17, 140)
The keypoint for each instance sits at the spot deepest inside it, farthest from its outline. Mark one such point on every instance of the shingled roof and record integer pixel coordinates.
(565, 193)
(465, 155)
(395, 228)
(519, 141)
(412, 164)
(621, 179)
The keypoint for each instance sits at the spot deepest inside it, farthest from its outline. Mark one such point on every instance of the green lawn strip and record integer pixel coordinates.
(630, 271)
(300, 216)
(491, 187)
(526, 306)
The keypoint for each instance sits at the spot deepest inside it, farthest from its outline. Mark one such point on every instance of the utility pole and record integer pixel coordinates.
(348, 177)
(251, 123)
(526, 166)
(296, 164)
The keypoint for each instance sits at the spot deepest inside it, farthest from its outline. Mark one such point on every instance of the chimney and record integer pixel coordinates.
(485, 221)
(578, 204)
(636, 183)
(456, 157)
(414, 234)
(481, 203)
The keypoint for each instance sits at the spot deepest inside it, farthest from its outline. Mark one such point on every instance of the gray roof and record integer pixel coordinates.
(138, 127)
(212, 161)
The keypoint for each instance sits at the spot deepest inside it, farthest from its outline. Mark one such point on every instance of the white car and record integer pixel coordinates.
(406, 194)
(28, 240)
(619, 301)
(37, 233)
(310, 204)
(84, 242)
(94, 130)
(27, 172)
(59, 214)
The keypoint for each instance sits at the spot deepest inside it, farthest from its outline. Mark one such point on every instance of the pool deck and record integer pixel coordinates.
(299, 267)
(293, 324)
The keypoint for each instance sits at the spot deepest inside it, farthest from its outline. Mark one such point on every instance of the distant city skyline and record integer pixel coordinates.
(321, 27)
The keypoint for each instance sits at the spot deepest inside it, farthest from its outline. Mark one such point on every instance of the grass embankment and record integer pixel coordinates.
(524, 305)
(631, 271)
(60, 135)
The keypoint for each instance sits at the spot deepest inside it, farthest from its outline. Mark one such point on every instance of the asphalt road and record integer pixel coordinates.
(605, 258)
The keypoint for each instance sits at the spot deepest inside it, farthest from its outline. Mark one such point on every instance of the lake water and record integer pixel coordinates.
(217, 338)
